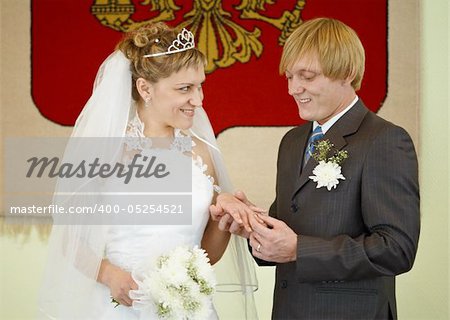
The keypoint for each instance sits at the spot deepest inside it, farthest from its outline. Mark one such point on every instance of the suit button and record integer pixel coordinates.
(294, 208)
(284, 284)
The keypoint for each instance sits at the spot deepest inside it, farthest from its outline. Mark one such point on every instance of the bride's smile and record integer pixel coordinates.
(172, 101)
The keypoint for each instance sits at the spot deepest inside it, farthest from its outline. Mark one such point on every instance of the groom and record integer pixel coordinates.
(338, 247)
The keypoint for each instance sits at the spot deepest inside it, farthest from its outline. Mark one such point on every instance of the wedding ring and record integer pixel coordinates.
(258, 248)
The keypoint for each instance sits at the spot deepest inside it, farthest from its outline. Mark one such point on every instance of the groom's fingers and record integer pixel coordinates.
(269, 221)
(253, 242)
(259, 246)
(263, 228)
(254, 219)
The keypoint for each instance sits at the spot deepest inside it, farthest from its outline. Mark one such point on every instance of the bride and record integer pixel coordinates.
(151, 86)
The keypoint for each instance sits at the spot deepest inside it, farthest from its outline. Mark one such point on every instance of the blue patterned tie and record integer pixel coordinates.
(316, 135)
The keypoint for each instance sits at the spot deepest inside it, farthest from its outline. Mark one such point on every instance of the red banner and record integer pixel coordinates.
(70, 38)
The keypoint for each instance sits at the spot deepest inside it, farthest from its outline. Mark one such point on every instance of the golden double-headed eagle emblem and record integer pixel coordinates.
(222, 39)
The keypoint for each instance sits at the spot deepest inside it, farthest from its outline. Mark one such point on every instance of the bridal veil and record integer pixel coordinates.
(75, 251)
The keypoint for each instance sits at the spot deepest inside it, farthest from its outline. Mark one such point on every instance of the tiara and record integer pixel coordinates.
(184, 41)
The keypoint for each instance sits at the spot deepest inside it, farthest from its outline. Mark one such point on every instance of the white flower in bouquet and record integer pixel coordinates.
(179, 286)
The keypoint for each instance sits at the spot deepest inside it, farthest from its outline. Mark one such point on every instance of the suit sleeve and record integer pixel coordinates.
(390, 211)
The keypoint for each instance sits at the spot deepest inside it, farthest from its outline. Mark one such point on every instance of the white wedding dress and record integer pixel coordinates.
(132, 247)
(70, 289)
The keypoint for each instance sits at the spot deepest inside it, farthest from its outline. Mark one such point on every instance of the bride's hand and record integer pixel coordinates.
(119, 282)
(240, 211)
(227, 223)
(241, 196)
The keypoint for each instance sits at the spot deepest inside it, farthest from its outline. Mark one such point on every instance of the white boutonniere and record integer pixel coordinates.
(328, 172)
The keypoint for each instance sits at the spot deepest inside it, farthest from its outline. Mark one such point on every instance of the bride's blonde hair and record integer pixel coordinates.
(155, 38)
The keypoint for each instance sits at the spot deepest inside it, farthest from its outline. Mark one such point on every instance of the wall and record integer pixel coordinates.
(422, 293)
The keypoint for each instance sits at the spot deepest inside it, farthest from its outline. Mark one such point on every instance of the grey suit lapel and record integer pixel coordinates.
(300, 146)
(345, 126)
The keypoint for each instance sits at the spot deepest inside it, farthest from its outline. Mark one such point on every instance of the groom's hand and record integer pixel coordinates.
(274, 241)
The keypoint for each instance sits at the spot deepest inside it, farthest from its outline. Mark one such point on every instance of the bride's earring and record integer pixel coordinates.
(147, 102)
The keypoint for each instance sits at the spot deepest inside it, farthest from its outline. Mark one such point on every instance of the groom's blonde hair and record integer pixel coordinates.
(335, 45)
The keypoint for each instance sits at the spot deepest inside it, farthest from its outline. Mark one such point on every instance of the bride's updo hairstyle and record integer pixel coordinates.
(156, 38)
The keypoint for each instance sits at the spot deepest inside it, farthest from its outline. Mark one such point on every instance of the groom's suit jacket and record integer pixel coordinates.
(354, 239)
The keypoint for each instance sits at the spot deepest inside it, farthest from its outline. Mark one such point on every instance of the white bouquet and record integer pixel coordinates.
(180, 286)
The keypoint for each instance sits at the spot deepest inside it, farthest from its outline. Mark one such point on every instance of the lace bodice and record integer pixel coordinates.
(135, 131)
(129, 246)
